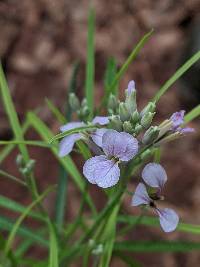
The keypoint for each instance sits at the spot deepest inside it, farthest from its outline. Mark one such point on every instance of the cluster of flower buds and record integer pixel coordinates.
(25, 168)
(118, 138)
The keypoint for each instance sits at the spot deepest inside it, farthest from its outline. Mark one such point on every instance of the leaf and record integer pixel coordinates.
(66, 162)
(72, 131)
(27, 142)
(110, 73)
(23, 216)
(89, 84)
(156, 246)
(125, 66)
(194, 113)
(176, 76)
(55, 111)
(53, 252)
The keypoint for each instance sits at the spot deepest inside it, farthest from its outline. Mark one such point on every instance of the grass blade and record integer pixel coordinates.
(23, 216)
(89, 84)
(110, 73)
(176, 76)
(53, 252)
(194, 113)
(55, 111)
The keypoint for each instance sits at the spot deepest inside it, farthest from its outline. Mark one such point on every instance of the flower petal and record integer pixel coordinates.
(67, 143)
(177, 118)
(119, 145)
(97, 136)
(154, 175)
(71, 125)
(186, 130)
(140, 196)
(131, 87)
(101, 171)
(102, 120)
(168, 219)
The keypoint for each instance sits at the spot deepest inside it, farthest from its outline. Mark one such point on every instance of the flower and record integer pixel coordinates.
(67, 143)
(155, 177)
(131, 87)
(103, 170)
(177, 119)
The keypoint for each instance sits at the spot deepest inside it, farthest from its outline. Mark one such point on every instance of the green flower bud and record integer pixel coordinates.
(135, 117)
(149, 108)
(150, 135)
(20, 161)
(98, 250)
(147, 119)
(84, 102)
(124, 112)
(138, 129)
(74, 102)
(84, 112)
(131, 101)
(112, 102)
(127, 127)
(116, 123)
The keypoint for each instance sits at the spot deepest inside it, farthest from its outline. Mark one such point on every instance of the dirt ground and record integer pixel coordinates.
(40, 41)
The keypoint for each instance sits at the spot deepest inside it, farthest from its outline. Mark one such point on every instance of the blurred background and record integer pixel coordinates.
(41, 40)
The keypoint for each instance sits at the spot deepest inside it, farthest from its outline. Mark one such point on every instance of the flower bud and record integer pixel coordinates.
(127, 127)
(112, 102)
(135, 117)
(84, 102)
(85, 112)
(116, 123)
(150, 135)
(138, 129)
(147, 119)
(165, 127)
(131, 101)
(98, 250)
(149, 108)
(124, 112)
(20, 161)
(74, 102)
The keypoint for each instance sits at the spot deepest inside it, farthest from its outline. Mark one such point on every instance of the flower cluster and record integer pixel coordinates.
(117, 139)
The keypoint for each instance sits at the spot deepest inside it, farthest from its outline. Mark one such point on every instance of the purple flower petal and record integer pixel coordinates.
(97, 136)
(131, 87)
(102, 120)
(67, 143)
(140, 196)
(101, 171)
(168, 219)
(177, 118)
(186, 130)
(119, 145)
(154, 175)
(71, 125)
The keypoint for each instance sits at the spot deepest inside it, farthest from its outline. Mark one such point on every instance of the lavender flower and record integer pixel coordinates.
(104, 170)
(177, 119)
(67, 143)
(155, 177)
(131, 87)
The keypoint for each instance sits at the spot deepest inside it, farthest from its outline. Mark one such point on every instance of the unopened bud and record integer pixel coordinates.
(116, 123)
(74, 102)
(84, 102)
(84, 112)
(98, 250)
(149, 108)
(127, 127)
(131, 101)
(112, 102)
(19, 160)
(138, 129)
(168, 138)
(124, 112)
(150, 135)
(147, 119)
(135, 117)
(165, 127)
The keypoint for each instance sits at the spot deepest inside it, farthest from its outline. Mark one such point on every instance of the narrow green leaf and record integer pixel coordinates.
(127, 259)
(110, 73)
(89, 85)
(125, 66)
(176, 76)
(55, 111)
(23, 216)
(27, 142)
(194, 113)
(53, 252)
(66, 162)
(12, 114)
(156, 246)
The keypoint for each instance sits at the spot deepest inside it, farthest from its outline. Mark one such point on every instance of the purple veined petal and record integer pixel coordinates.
(177, 118)
(71, 125)
(131, 87)
(102, 120)
(67, 143)
(186, 130)
(120, 145)
(97, 136)
(154, 175)
(168, 219)
(101, 171)
(140, 196)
